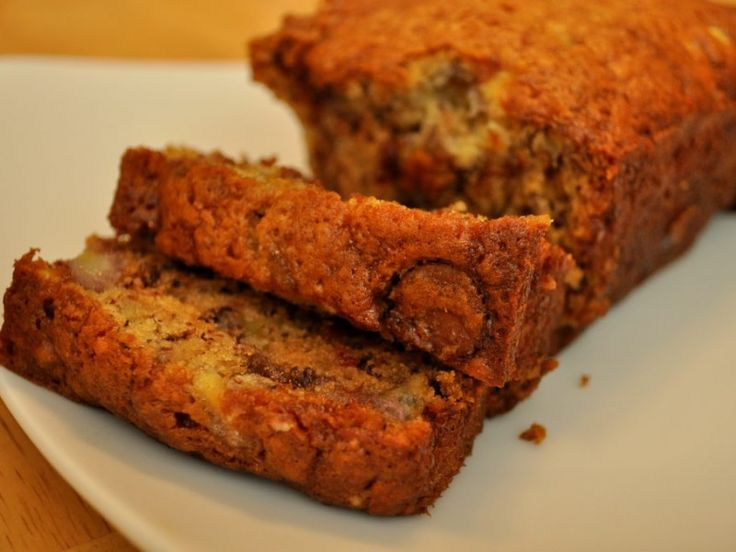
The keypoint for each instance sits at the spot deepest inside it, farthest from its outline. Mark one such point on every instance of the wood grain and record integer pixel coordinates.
(39, 511)
(164, 29)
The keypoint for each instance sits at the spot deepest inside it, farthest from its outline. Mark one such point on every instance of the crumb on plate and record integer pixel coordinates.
(535, 434)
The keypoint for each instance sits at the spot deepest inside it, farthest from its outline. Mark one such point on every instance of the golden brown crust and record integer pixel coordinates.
(615, 118)
(594, 70)
(365, 448)
(453, 285)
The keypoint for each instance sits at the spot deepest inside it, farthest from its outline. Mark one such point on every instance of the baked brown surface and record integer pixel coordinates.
(480, 295)
(617, 118)
(214, 369)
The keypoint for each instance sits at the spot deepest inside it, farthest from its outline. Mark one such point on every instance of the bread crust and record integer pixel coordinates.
(453, 285)
(618, 119)
(611, 75)
(339, 447)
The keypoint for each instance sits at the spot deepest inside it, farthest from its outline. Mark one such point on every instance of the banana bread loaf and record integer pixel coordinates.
(616, 118)
(248, 382)
(482, 296)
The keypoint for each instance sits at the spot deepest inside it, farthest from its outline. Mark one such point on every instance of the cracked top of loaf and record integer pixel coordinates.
(610, 75)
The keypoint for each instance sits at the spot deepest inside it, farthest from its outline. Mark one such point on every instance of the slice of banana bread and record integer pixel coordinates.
(464, 289)
(616, 118)
(214, 369)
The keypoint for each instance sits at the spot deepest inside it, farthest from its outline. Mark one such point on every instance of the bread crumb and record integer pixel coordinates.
(548, 283)
(720, 35)
(584, 380)
(459, 206)
(535, 434)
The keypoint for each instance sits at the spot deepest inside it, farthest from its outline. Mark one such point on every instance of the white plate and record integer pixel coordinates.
(642, 459)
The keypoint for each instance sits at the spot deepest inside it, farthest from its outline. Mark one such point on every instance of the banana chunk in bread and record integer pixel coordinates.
(245, 381)
(461, 288)
(615, 118)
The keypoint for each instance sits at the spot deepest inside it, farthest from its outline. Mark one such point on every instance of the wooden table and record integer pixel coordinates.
(39, 511)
